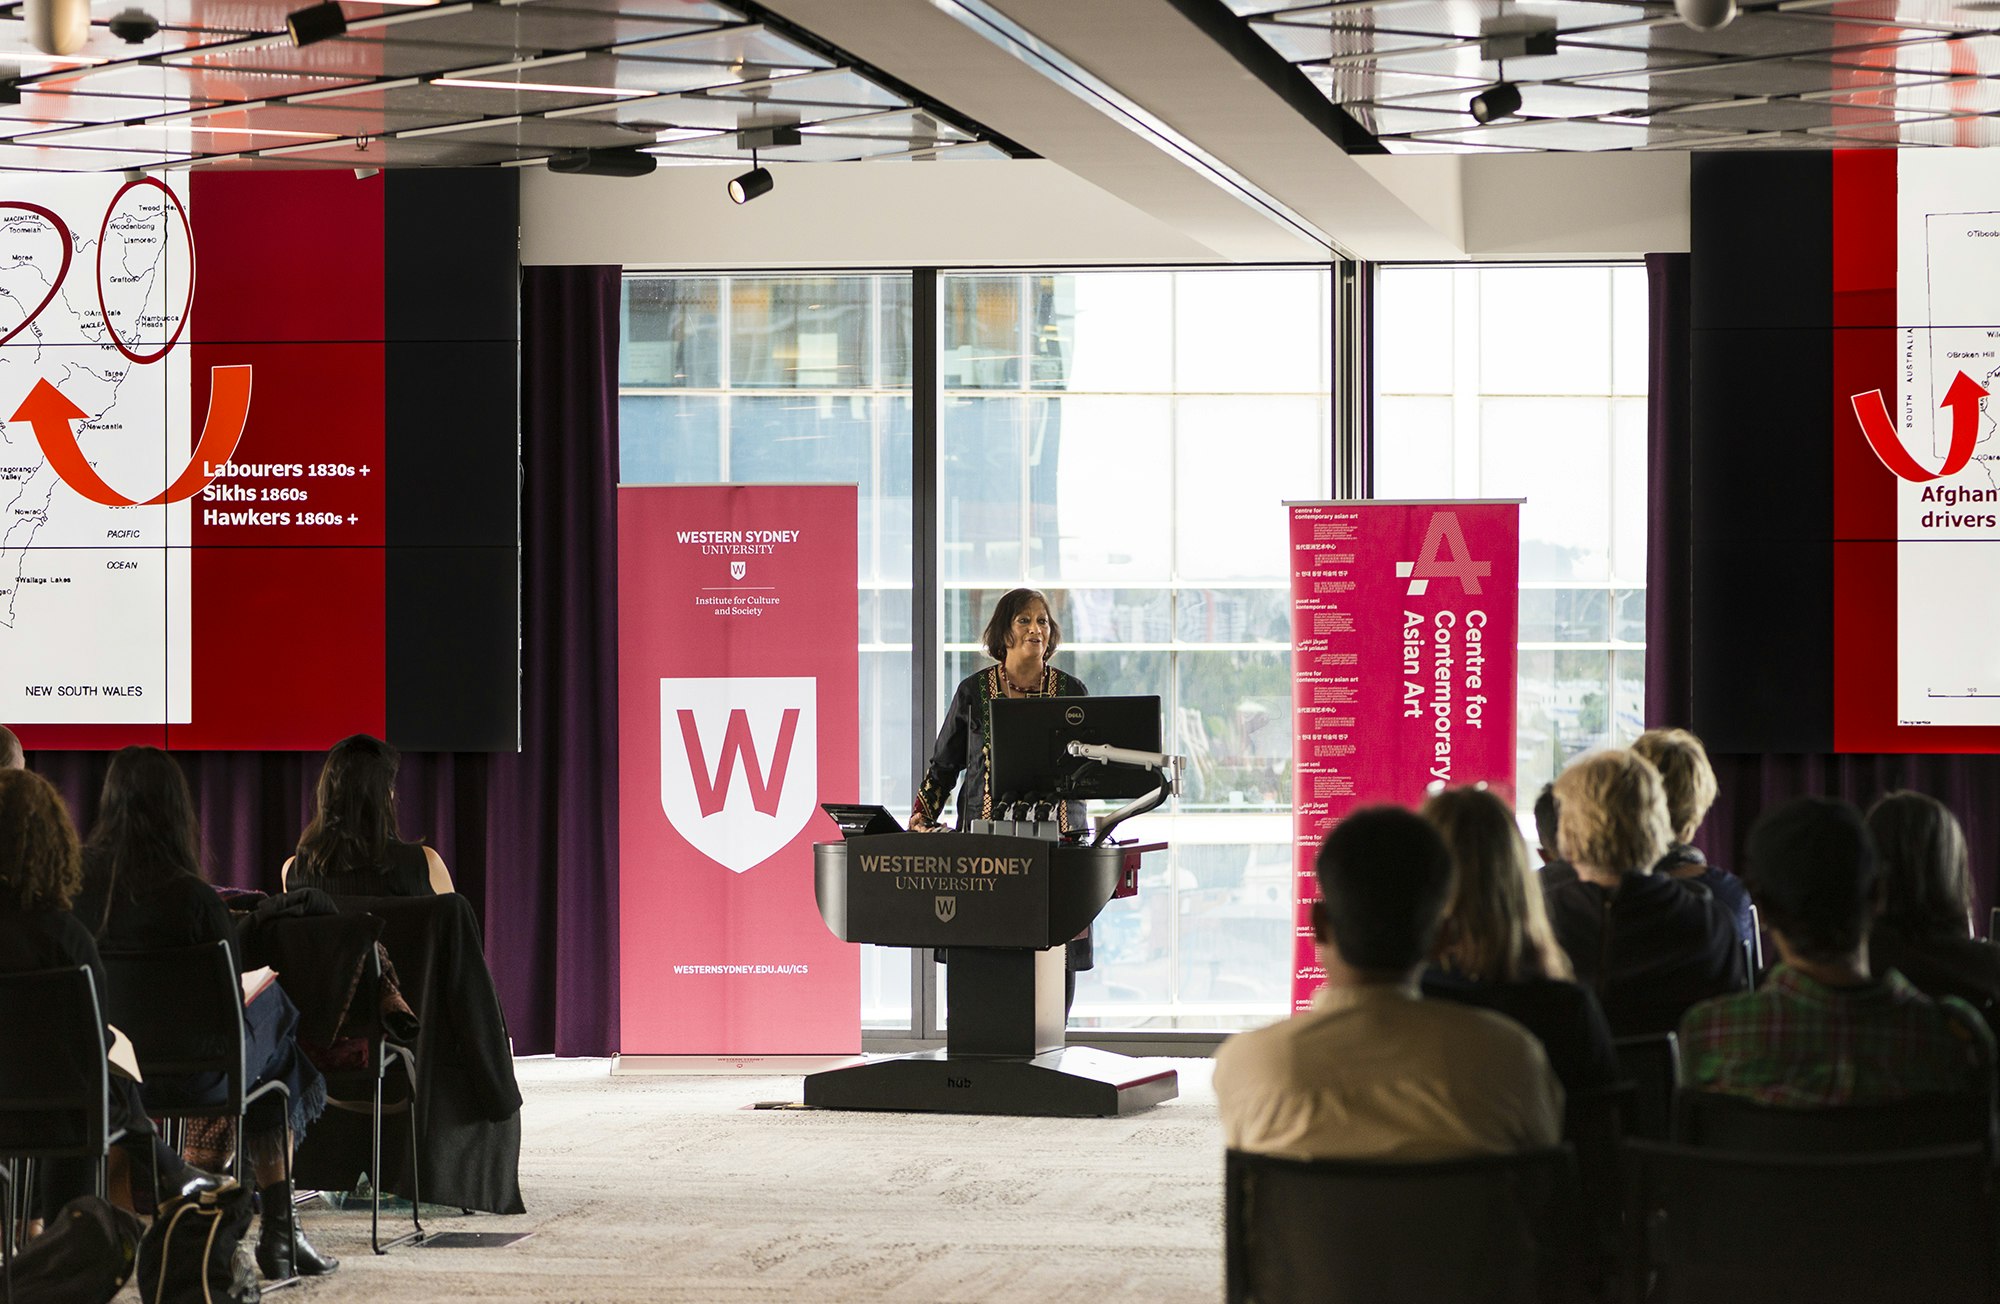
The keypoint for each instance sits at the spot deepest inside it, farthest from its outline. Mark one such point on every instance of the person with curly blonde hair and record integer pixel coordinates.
(1690, 783)
(1649, 945)
(1495, 949)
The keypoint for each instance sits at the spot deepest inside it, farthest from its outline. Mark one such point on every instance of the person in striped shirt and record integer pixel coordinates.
(1826, 1029)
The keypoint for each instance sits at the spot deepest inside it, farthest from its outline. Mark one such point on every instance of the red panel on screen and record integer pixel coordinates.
(288, 255)
(288, 651)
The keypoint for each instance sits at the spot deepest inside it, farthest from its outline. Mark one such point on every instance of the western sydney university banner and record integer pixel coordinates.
(737, 707)
(1403, 667)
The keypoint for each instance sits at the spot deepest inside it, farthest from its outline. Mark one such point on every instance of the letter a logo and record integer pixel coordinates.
(739, 764)
(1444, 556)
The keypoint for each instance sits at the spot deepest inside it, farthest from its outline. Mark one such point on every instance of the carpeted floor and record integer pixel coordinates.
(648, 1188)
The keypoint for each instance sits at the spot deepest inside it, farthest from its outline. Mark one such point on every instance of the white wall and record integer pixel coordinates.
(845, 215)
(1036, 212)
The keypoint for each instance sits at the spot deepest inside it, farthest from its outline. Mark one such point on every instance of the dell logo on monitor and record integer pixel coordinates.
(1074, 715)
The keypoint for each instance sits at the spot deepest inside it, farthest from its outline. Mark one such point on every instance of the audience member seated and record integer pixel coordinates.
(1373, 1070)
(1649, 946)
(40, 873)
(468, 1098)
(1924, 930)
(1555, 870)
(1690, 784)
(1826, 1028)
(11, 755)
(353, 846)
(1495, 950)
(143, 890)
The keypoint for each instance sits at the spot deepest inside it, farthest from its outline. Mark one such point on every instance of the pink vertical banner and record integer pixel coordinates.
(1404, 622)
(738, 688)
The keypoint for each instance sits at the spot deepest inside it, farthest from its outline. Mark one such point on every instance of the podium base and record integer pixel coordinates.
(1075, 1082)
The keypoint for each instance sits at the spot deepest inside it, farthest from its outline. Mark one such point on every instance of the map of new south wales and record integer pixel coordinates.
(94, 624)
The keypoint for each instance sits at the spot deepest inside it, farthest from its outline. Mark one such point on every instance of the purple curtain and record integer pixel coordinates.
(531, 838)
(1750, 783)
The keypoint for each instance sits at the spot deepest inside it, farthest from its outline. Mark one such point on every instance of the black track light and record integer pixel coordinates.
(753, 184)
(320, 22)
(604, 163)
(1500, 100)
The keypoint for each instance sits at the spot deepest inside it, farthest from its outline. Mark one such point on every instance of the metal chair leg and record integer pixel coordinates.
(415, 1236)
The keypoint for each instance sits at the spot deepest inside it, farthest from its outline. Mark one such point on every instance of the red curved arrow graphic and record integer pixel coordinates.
(1962, 398)
(50, 412)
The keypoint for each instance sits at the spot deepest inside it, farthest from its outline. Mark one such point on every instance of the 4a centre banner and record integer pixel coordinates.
(738, 687)
(1404, 620)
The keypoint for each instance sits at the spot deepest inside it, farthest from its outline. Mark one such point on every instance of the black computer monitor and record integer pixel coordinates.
(1031, 735)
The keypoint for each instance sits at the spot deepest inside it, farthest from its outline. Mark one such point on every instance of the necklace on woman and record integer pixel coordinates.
(1015, 685)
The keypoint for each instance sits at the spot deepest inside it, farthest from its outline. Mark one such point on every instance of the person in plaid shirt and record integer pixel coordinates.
(1824, 1030)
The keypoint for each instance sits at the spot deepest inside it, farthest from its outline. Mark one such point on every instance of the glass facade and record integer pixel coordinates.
(1530, 382)
(1125, 442)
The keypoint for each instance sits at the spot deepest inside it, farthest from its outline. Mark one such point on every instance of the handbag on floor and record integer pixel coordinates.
(192, 1254)
(83, 1257)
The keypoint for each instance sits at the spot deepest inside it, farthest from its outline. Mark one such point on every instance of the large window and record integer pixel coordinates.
(1126, 441)
(1530, 382)
(795, 379)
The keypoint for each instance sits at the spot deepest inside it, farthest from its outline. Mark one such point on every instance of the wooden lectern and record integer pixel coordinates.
(1006, 906)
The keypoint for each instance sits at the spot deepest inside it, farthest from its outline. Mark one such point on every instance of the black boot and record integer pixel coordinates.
(283, 1251)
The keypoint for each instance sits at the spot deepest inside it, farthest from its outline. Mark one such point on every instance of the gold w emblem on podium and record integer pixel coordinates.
(946, 907)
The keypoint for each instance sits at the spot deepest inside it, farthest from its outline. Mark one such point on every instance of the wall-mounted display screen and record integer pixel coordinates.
(258, 473)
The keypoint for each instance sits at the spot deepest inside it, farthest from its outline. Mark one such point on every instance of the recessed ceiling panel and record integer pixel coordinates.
(1568, 135)
(542, 134)
(346, 59)
(34, 158)
(1973, 132)
(1364, 82)
(1775, 115)
(421, 151)
(460, 103)
(736, 47)
(1543, 100)
(1771, 77)
(320, 119)
(1569, 62)
(1312, 44)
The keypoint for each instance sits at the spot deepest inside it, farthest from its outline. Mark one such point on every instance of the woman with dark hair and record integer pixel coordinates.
(353, 846)
(1925, 929)
(1021, 636)
(144, 890)
(1495, 949)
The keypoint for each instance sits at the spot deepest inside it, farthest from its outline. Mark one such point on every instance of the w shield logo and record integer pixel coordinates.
(739, 764)
(737, 570)
(1444, 556)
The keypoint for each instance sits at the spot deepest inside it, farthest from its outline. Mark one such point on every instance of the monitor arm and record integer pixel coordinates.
(1167, 770)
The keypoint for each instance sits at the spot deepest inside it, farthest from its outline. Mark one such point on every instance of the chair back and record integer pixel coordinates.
(183, 1009)
(1714, 1121)
(1652, 1064)
(1491, 1230)
(55, 1083)
(1729, 1228)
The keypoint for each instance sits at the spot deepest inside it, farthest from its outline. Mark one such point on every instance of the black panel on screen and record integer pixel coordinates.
(1762, 472)
(453, 619)
(453, 256)
(452, 309)
(454, 448)
(1761, 232)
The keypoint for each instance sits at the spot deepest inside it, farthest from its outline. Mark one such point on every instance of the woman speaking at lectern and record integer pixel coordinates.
(1020, 637)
